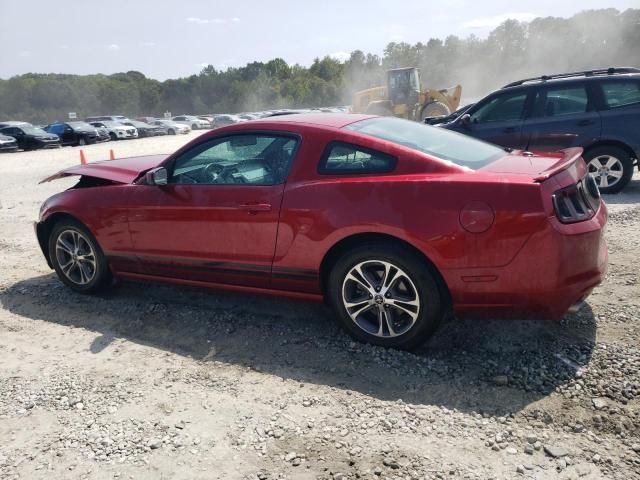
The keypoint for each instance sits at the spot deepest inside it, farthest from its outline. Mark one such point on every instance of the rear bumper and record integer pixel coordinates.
(558, 267)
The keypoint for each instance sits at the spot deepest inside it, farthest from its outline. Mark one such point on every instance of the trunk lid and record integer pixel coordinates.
(123, 170)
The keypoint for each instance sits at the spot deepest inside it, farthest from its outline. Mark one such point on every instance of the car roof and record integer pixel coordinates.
(335, 120)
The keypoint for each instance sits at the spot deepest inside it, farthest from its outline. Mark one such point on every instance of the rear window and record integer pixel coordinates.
(621, 93)
(441, 143)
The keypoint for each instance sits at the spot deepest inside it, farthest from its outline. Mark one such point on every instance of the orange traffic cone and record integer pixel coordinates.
(83, 159)
(112, 156)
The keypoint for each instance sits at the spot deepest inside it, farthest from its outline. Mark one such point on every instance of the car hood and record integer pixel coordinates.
(124, 170)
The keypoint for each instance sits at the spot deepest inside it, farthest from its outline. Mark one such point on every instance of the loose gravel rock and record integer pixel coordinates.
(151, 381)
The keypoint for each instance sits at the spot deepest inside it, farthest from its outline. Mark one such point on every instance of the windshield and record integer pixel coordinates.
(33, 131)
(441, 143)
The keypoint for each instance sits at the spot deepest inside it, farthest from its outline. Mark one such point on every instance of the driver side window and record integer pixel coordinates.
(253, 159)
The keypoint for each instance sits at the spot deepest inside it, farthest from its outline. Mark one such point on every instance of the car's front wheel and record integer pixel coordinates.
(385, 295)
(77, 258)
(611, 167)
(82, 142)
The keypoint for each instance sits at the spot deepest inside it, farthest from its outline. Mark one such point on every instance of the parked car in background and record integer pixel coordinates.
(223, 120)
(194, 122)
(208, 118)
(74, 133)
(598, 110)
(171, 127)
(144, 129)
(117, 130)
(14, 123)
(394, 223)
(102, 118)
(148, 120)
(8, 144)
(103, 134)
(31, 138)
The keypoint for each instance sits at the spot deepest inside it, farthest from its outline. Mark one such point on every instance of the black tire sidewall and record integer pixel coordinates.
(102, 275)
(420, 272)
(620, 154)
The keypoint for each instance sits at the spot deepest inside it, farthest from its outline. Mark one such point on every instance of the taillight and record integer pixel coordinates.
(578, 202)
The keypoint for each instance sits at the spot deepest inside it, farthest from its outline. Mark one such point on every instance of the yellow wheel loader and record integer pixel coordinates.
(403, 97)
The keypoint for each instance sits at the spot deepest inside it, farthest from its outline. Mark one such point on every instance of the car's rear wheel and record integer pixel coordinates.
(77, 258)
(385, 295)
(611, 167)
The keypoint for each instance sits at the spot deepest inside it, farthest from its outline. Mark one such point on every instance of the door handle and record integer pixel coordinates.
(254, 208)
(584, 123)
(509, 130)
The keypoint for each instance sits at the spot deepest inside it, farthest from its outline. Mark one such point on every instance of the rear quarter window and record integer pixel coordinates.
(621, 93)
(345, 158)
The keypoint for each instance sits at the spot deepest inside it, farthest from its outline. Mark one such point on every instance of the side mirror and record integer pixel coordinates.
(157, 176)
(465, 120)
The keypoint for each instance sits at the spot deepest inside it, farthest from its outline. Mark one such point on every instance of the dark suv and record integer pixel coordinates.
(598, 110)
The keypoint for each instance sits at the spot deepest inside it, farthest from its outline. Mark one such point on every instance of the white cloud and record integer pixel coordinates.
(24, 54)
(148, 44)
(492, 22)
(215, 21)
(340, 56)
(113, 47)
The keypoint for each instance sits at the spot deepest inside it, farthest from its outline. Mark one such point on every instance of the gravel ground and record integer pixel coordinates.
(155, 382)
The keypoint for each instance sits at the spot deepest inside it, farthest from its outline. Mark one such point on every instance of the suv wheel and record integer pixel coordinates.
(611, 167)
(385, 295)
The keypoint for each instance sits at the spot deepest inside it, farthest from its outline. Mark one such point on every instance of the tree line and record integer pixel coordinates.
(513, 50)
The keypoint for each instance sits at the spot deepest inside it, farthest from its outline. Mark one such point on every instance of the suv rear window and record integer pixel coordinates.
(621, 93)
(561, 100)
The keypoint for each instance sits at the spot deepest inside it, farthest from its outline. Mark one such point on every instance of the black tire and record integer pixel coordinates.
(421, 278)
(101, 274)
(434, 109)
(113, 136)
(172, 131)
(597, 155)
(82, 142)
(194, 126)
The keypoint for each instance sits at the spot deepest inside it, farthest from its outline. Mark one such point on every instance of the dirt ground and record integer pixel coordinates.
(160, 382)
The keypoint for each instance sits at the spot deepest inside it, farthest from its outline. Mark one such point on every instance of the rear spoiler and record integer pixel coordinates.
(570, 156)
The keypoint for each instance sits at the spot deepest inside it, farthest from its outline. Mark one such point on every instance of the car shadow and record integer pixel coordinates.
(492, 367)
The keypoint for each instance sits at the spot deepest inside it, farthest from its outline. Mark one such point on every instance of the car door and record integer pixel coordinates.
(15, 133)
(562, 116)
(216, 220)
(497, 119)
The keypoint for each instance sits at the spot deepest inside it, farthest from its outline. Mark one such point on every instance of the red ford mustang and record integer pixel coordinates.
(393, 223)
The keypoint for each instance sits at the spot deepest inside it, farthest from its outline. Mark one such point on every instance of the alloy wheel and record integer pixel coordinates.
(607, 170)
(76, 257)
(380, 298)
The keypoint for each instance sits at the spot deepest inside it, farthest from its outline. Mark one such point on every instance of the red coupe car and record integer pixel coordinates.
(393, 223)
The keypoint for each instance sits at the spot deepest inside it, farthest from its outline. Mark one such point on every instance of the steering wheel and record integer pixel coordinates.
(213, 172)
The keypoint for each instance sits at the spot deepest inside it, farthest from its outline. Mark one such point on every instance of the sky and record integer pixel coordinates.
(169, 39)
